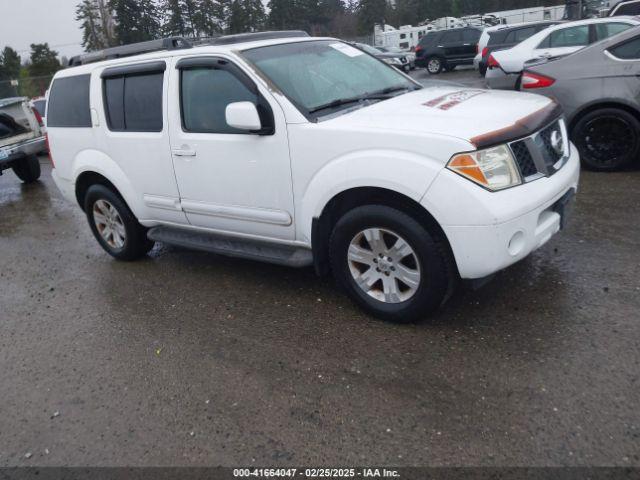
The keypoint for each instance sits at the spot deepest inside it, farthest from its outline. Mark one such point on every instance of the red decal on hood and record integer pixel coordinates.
(450, 100)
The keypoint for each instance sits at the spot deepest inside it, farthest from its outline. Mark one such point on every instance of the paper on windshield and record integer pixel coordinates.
(346, 49)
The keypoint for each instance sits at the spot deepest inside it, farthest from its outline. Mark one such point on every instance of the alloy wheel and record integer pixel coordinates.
(109, 224)
(384, 265)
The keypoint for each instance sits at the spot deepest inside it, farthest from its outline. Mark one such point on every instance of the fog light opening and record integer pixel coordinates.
(516, 244)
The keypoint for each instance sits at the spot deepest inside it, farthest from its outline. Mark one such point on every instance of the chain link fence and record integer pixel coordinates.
(25, 86)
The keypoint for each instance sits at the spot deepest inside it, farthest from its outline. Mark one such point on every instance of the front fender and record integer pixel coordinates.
(98, 162)
(403, 172)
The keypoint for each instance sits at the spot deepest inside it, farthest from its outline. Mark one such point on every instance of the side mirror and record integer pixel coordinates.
(243, 116)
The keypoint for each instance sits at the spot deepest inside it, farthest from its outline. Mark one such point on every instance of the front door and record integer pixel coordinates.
(229, 180)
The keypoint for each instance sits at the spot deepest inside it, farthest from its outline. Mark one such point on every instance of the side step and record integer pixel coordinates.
(233, 246)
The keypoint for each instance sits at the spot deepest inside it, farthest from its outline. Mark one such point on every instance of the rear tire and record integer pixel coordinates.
(27, 169)
(401, 251)
(114, 225)
(434, 65)
(607, 139)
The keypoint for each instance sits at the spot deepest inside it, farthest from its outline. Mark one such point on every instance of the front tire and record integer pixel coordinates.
(388, 263)
(114, 225)
(607, 139)
(27, 169)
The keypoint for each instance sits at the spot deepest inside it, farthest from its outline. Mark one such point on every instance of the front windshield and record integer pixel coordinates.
(319, 73)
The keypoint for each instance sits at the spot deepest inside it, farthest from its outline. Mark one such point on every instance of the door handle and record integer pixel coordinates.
(184, 153)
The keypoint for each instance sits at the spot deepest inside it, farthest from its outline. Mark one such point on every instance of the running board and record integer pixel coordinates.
(233, 246)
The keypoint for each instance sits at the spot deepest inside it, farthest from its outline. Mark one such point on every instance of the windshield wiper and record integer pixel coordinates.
(379, 95)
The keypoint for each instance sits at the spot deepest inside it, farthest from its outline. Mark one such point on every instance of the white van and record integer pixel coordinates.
(307, 151)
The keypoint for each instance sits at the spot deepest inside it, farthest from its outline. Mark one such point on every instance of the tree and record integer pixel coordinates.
(9, 64)
(283, 15)
(174, 23)
(136, 20)
(208, 17)
(96, 23)
(371, 12)
(245, 16)
(43, 61)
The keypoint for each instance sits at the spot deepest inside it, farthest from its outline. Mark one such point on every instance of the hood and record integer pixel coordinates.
(481, 117)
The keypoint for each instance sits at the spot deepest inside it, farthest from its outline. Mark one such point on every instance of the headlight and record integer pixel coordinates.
(391, 61)
(493, 168)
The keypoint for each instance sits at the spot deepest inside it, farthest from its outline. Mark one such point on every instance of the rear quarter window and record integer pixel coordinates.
(69, 102)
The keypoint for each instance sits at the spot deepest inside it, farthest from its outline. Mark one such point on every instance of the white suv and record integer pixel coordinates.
(307, 151)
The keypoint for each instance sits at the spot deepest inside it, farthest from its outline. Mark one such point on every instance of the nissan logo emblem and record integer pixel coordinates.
(557, 142)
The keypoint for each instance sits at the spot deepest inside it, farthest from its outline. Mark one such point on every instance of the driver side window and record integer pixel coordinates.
(205, 93)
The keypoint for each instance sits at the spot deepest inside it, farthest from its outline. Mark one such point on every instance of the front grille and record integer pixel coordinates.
(524, 159)
(536, 155)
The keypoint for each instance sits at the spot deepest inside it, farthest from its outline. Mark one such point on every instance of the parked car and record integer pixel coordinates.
(410, 56)
(39, 107)
(505, 67)
(598, 88)
(398, 60)
(307, 151)
(21, 139)
(631, 7)
(446, 49)
(507, 36)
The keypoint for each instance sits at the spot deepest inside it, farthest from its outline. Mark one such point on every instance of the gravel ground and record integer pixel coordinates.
(187, 358)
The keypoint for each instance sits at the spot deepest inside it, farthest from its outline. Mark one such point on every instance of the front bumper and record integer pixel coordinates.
(489, 231)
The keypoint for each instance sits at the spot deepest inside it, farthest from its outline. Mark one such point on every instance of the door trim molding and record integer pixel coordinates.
(249, 214)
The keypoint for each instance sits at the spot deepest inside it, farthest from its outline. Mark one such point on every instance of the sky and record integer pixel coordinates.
(23, 22)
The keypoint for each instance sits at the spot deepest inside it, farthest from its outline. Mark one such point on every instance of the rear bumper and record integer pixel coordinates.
(511, 223)
(12, 153)
(66, 187)
(499, 80)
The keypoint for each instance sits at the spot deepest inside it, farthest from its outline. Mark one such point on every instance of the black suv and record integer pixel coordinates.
(508, 37)
(445, 49)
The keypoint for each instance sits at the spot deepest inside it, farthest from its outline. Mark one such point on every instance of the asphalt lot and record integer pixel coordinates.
(187, 358)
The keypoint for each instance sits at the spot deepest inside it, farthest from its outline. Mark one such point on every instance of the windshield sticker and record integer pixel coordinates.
(450, 100)
(346, 49)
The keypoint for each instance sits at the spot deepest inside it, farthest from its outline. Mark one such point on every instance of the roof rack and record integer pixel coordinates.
(171, 43)
(252, 37)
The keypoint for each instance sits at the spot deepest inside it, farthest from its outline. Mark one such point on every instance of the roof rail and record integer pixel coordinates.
(252, 37)
(171, 43)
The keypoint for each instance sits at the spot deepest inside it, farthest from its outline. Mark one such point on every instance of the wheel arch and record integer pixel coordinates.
(88, 178)
(322, 225)
(599, 105)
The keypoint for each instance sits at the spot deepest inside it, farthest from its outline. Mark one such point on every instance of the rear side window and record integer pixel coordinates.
(133, 100)
(452, 37)
(629, 50)
(606, 30)
(567, 37)
(69, 102)
(519, 35)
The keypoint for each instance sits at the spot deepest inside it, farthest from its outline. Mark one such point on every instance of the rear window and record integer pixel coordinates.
(69, 102)
(519, 35)
(133, 103)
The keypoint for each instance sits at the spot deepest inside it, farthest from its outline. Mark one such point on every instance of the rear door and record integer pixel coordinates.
(563, 41)
(451, 44)
(470, 38)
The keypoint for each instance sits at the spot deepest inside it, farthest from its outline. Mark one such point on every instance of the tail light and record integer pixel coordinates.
(38, 116)
(477, 48)
(492, 62)
(485, 50)
(46, 141)
(535, 80)
(418, 49)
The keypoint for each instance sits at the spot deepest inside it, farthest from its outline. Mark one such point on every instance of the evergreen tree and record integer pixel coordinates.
(208, 18)
(370, 12)
(9, 64)
(93, 37)
(283, 15)
(174, 23)
(136, 20)
(43, 60)
(245, 16)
